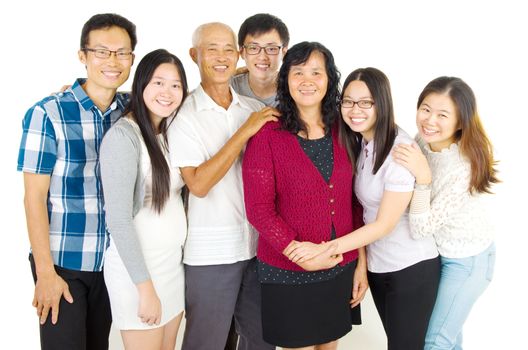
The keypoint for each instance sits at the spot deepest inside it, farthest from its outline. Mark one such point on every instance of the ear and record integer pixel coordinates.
(284, 50)
(82, 56)
(133, 58)
(242, 53)
(194, 54)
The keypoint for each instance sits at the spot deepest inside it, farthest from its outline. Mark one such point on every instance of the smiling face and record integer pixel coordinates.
(263, 66)
(216, 54)
(308, 82)
(362, 120)
(163, 94)
(109, 73)
(437, 121)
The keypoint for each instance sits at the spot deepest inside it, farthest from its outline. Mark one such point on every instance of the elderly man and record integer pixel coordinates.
(206, 140)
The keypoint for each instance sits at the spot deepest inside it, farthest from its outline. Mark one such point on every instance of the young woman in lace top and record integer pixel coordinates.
(452, 178)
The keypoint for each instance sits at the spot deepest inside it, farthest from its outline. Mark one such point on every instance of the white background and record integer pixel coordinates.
(412, 42)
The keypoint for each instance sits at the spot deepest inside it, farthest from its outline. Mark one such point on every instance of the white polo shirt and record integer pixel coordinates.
(398, 249)
(219, 232)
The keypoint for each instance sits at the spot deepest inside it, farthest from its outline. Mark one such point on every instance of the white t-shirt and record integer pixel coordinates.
(218, 230)
(398, 249)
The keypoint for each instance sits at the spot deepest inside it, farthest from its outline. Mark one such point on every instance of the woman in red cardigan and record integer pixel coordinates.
(298, 187)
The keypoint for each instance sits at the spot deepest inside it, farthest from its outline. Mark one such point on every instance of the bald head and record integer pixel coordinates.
(215, 52)
(208, 29)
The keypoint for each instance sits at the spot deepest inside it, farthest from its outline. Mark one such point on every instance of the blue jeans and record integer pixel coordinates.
(462, 282)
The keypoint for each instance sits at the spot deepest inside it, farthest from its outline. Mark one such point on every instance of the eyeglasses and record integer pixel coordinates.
(122, 55)
(363, 104)
(253, 49)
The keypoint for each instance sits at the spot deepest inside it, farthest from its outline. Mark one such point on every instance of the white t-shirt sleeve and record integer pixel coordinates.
(398, 178)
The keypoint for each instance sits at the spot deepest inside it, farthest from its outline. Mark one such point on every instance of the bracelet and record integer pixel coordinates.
(422, 187)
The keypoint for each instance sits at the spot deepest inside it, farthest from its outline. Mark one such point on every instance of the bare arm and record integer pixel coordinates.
(202, 178)
(392, 207)
(49, 287)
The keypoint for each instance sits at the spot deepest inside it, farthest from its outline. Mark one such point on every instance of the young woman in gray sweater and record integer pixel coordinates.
(144, 211)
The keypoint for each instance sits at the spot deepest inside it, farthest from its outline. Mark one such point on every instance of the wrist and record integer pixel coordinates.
(422, 186)
(423, 178)
(146, 288)
(46, 271)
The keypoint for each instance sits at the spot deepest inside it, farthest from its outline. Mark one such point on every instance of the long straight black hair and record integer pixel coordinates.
(140, 113)
(385, 129)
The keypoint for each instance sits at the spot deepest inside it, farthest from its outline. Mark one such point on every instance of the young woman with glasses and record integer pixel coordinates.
(403, 272)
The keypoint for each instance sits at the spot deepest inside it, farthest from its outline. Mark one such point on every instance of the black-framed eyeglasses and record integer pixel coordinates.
(363, 104)
(123, 55)
(253, 49)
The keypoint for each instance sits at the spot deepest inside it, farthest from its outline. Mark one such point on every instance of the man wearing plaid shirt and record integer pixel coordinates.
(63, 195)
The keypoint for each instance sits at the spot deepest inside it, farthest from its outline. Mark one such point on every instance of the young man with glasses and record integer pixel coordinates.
(63, 195)
(263, 40)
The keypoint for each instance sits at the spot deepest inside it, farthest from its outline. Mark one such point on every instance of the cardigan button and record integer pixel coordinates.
(331, 200)
(331, 185)
(333, 212)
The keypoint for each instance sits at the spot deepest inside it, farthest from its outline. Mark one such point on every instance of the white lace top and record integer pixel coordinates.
(457, 219)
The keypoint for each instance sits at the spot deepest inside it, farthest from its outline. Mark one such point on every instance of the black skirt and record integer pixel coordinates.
(309, 314)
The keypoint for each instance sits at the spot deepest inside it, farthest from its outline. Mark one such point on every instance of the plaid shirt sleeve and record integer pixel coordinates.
(38, 147)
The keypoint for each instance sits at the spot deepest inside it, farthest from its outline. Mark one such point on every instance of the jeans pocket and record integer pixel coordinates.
(491, 265)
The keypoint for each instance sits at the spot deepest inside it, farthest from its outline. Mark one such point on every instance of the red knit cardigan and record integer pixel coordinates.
(286, 197)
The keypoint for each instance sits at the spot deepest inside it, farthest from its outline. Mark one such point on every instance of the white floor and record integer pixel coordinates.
(369, 336)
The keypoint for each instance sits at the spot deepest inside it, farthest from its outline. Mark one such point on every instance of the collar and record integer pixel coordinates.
(205, 102)
(120, 99)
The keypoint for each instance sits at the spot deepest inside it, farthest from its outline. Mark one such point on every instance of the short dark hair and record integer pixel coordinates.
(385, 128)
(262, 23)
(296, 55)
(107, 20)
(139, 111)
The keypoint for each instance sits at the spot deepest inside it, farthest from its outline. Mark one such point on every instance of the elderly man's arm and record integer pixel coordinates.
(202, 178)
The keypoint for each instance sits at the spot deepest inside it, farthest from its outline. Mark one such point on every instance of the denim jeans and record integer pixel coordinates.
(462, 282)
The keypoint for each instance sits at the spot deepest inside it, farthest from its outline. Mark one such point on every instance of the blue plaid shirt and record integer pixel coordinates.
(61, 137)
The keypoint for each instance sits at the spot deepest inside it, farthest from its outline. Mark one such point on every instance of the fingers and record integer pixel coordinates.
(357, 297)
(269, 114)
(355, 290)
(55, 312)
(44, 313)
(151, 320)
(67, 295)
(289, 249)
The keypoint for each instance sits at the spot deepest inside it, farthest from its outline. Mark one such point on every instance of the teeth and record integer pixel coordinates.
(429, 131)
(164, 103)
(262, 65)
(220, 67)
(358, 120)
(111, 74)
